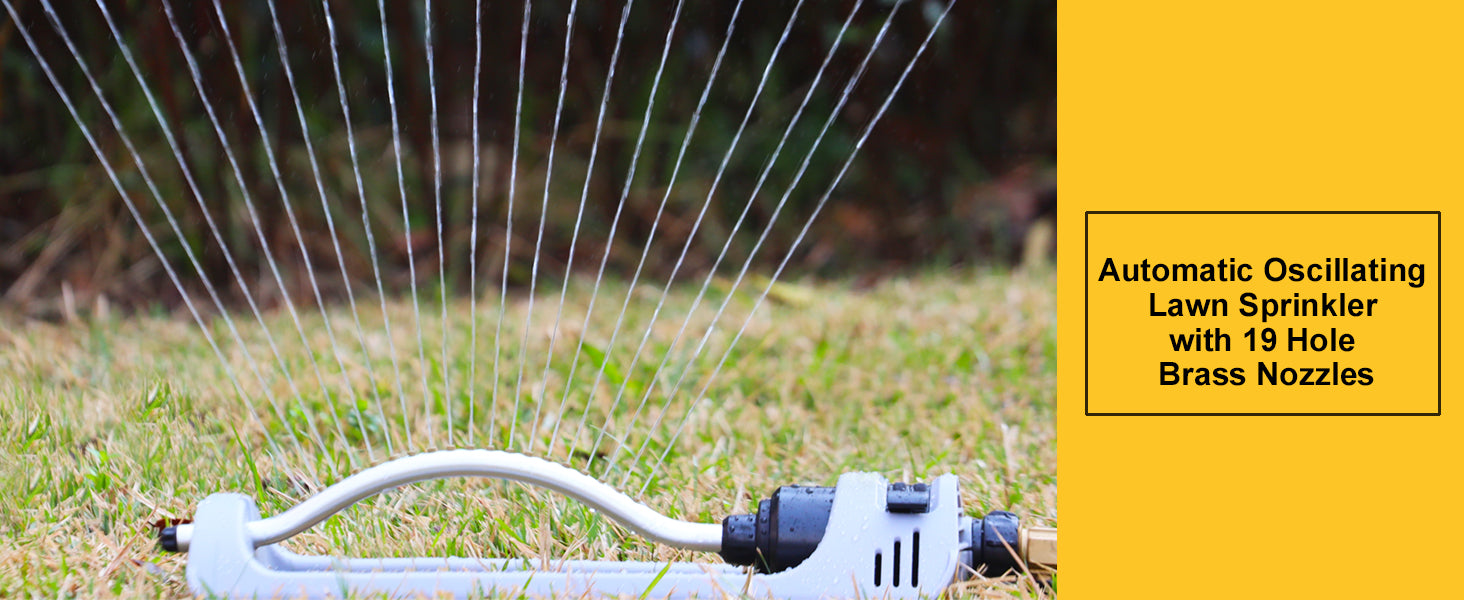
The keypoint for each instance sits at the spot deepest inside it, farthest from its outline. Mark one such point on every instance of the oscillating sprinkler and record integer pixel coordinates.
(865, 537)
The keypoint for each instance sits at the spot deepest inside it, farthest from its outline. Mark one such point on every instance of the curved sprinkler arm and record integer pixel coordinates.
(471, 463)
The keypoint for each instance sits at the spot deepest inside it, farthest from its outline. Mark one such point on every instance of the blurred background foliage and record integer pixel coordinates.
(957, 170)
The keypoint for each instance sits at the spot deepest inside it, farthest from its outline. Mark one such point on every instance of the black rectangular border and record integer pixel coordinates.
(1439, 223)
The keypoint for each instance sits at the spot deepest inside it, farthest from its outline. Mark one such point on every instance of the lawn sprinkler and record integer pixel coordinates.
(865, 537)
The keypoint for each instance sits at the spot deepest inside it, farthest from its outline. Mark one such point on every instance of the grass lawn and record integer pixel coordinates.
(112, 425)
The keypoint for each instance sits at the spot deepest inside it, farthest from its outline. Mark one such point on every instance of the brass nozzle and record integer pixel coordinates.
(1038, 547)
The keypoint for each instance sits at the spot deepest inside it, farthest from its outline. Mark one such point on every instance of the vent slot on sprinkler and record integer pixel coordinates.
(895, 562)
(915, 559)
(878, 568)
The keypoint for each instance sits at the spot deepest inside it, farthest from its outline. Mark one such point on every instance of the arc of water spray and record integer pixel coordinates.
(696, 226)
(518, 112)
(172, 221)
(579, 218)
(472, 383)
(264, 142)
(335, 60)
(655, 222)
(767, 229)
(428, 33)
(249, 204)
(396, 144)
(335, 241)
(259, 234)
(615, 222)
(136, 215)
(447, 400)
(802, 233)
(543, 217)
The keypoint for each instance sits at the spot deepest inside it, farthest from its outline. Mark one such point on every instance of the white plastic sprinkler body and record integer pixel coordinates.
(874, 544)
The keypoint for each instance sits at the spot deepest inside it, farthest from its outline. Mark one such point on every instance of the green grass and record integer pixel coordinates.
(113, 425)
